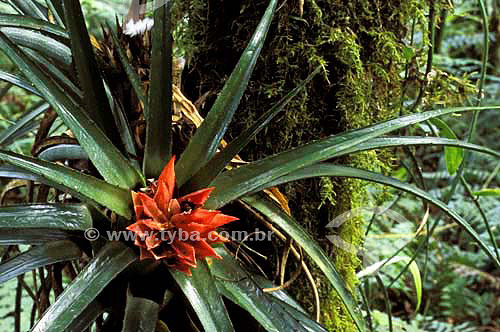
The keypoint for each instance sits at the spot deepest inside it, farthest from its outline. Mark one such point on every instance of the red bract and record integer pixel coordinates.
(176, 230)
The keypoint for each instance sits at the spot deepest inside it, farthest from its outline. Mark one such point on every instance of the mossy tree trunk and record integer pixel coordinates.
(360, 45)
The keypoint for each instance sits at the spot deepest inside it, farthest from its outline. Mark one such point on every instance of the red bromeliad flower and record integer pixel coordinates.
(177, 230)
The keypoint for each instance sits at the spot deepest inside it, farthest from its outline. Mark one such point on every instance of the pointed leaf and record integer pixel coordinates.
(453, 156)
(247, 178)
(102, 269)
(203, 145)
(132, 75)
(9, 134)
(217, 164)
(89, 76)
(326, 169)
(125, 132)
(488, 192)
(20, 82)
(278, 217)
(31, 8)
(83, 186)
(108, 160)
(158, 149)
(39, 223)
(26, 22)
(202, 293)
(387, 142)
(40, 256)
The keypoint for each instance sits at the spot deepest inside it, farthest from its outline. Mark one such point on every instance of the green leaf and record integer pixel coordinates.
(86, 317)
(107, 159)
(19, 135)
(203, 145)
(326, 169)
(89, 76)
(216, 165)
(44, 45)
(63, 152)
(414, 270)
(49, 253)
(9, 134)
(141, 315)
(26, 22)
(64, 81)
(453, 156)
(13, 172)
(204, 297)
(387, 142)
(241, 288)
(39, 223)
(408, 52)
(247, 178)
(31, 8)
(125, 133)
(132, 75)
(488, 192)
(101, 270)
(278, 217)
(19, 82)
(85, 187)
(158, 148)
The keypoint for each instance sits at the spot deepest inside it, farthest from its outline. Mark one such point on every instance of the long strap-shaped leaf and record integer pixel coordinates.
(141, 315)
(207, 173)
(311, 247)
(102, 269)
(26, 22)
(132, 75)
(8, 134)
(326, 169)
(237, 182)
(107, 159)
(89, 76)
(19, 82)
(31, 8)
(388, 142)
(204, 297)
(158, 148)
(49, 253)
(39, 223)
(238, 285)
(203, 145)
(85, 187)
(45, 45)
(86, 317)
(14, 172)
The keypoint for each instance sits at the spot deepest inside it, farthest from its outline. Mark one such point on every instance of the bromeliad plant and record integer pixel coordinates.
(190, 228)
(115, 101)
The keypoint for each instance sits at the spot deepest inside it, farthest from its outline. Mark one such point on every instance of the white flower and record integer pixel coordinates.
(138, 28)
